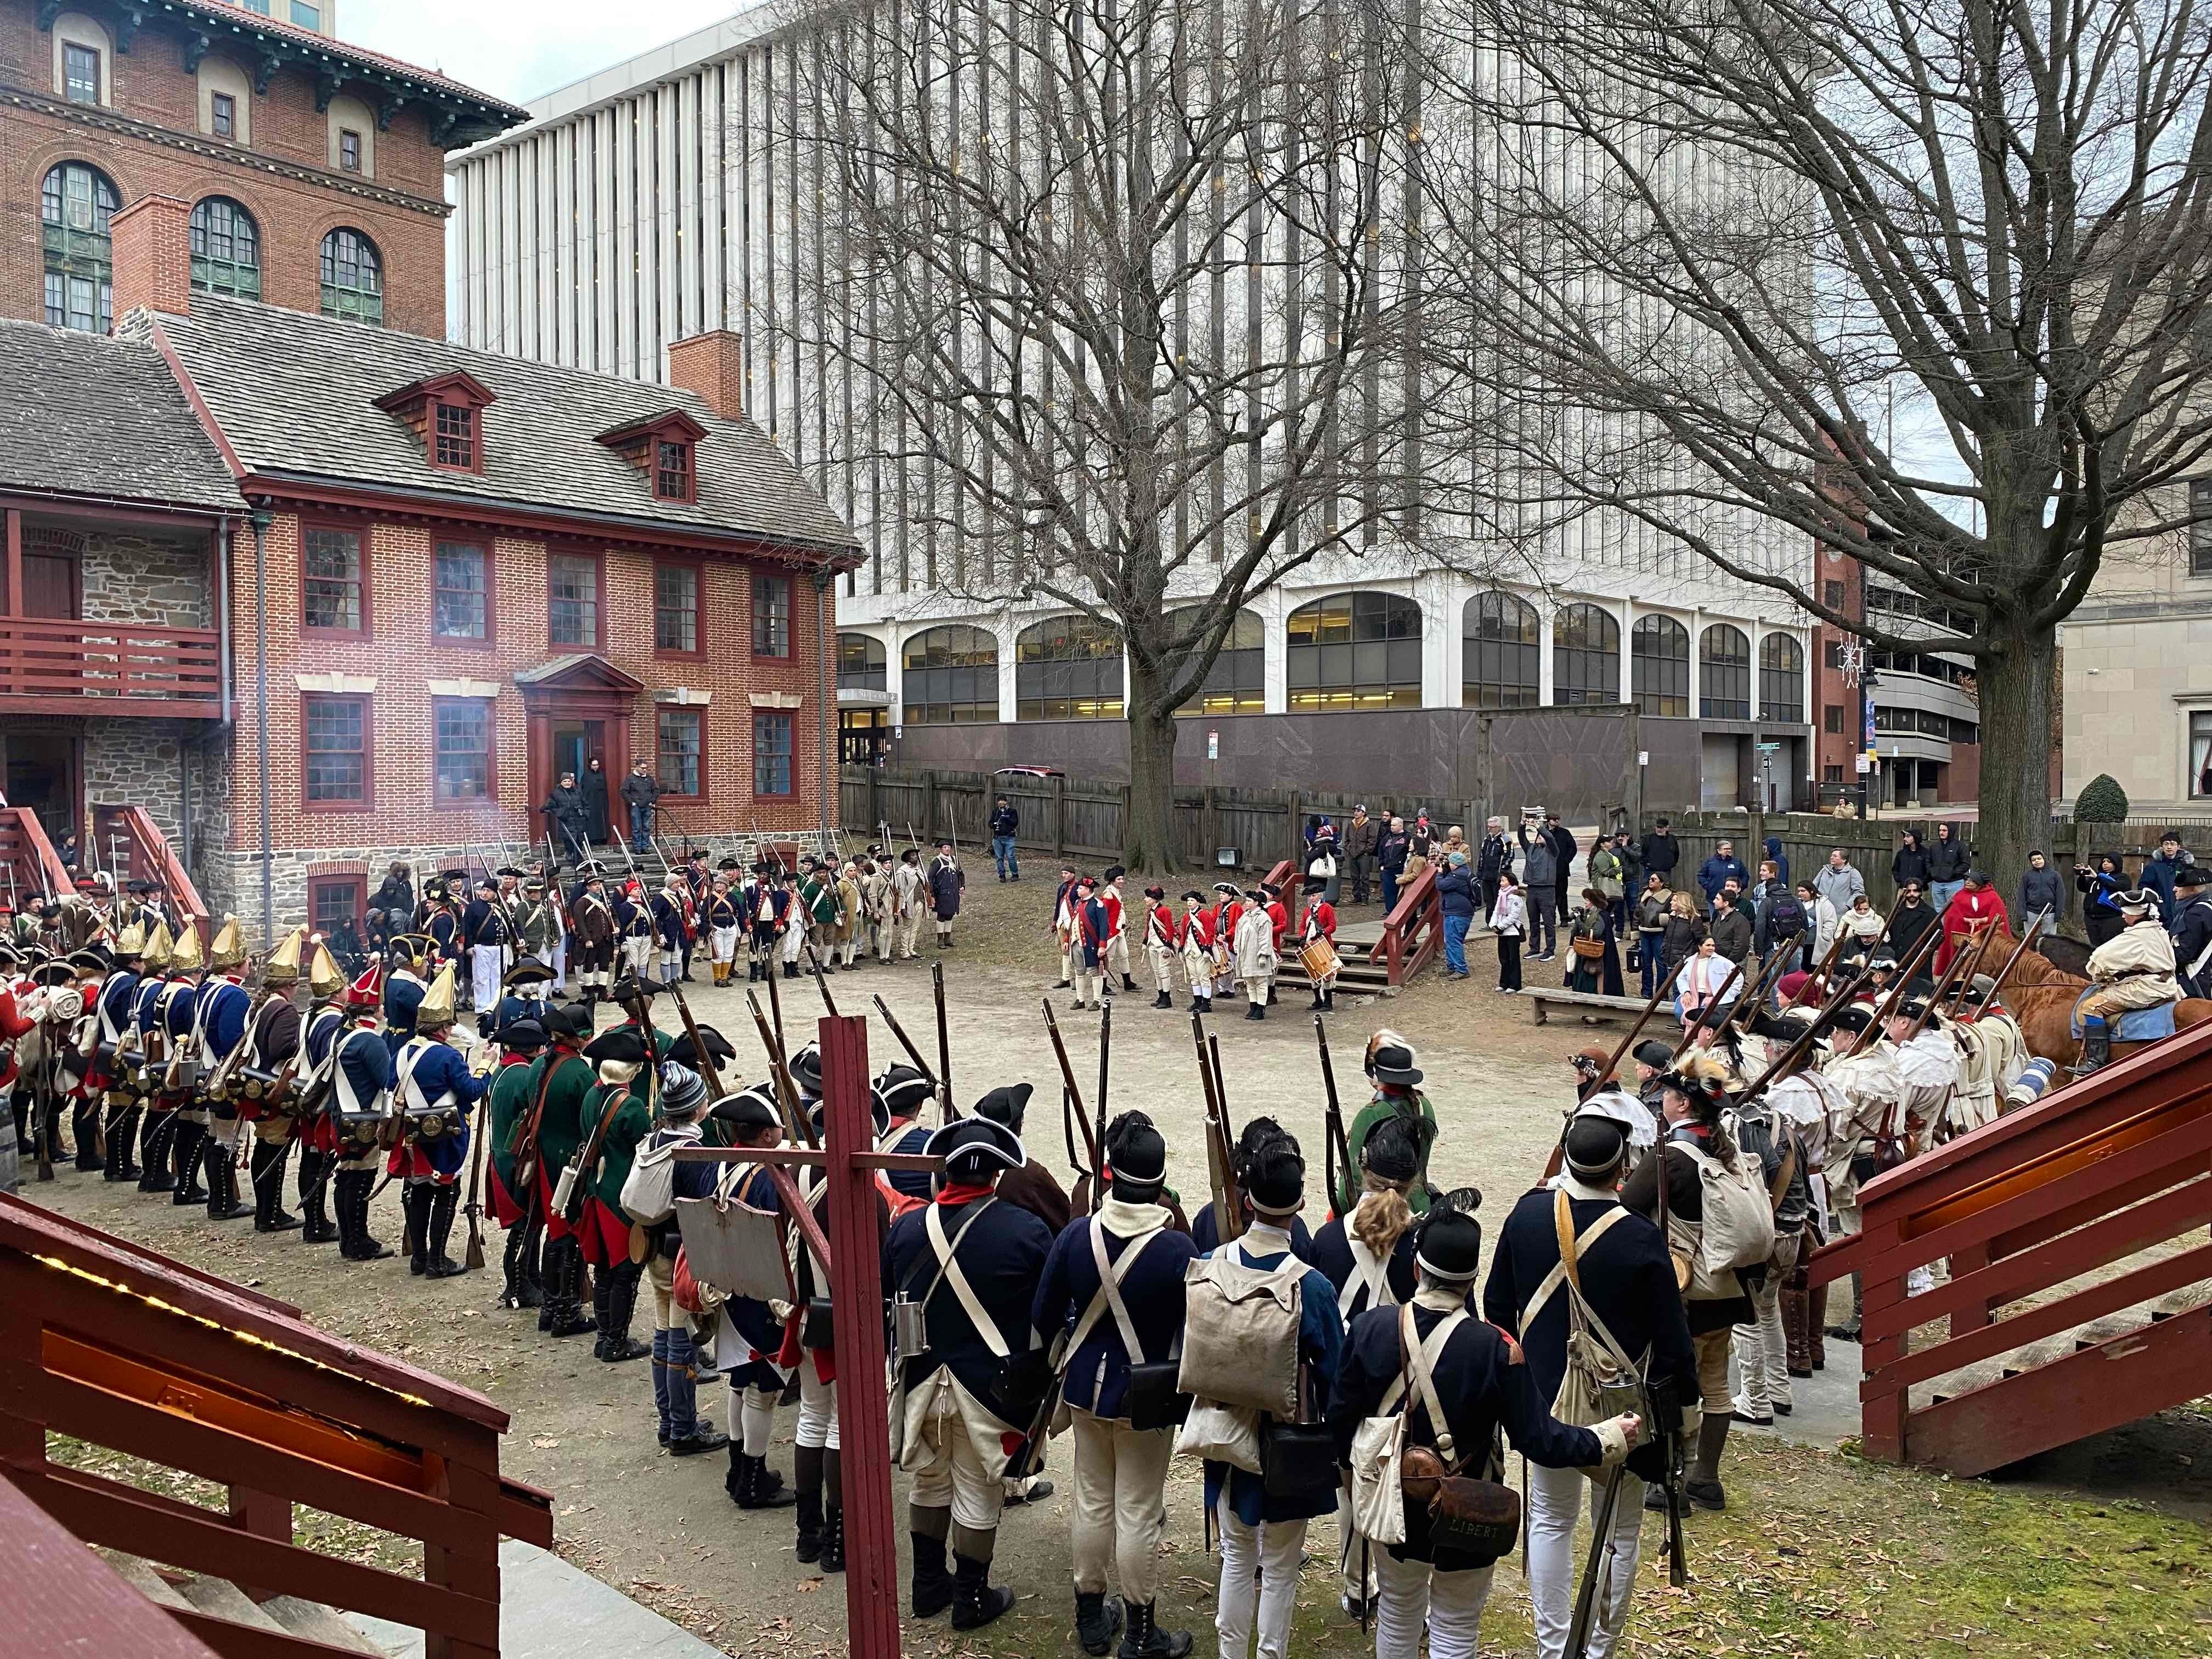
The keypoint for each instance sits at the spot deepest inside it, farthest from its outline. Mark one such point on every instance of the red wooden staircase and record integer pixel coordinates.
(132, 845)
(2073, 1304)
(125, 1350)
(30, 868)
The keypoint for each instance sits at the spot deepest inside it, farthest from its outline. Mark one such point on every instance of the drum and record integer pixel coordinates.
(1318, 958)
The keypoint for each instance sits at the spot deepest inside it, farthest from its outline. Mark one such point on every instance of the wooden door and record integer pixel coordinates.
(50, 585)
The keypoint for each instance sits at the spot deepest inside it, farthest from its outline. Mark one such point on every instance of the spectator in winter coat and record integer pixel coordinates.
(1606, 876)
(1540, 890)
(1910, 862)
(1456, 887)
(1774, 894)
(1821, 923)
(1724, 866)
(1731, 929)
(1948, 863)
(1779, 859)
(2040, 889)
(639, 791)
(1660, 852)
(2158, 873)
(1632, 864)
(1421, 839)
(1653, 907)
(1685, 929)
(1393, 848)
(1862, 922)
(1838, 881)
(1914, 917)
(1495, 858)
(1005, 822)
(1320, 867)
(1564, 848)
(1359, 839)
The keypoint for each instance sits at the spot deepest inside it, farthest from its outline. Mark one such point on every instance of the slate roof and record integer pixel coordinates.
(88, 415)
(295, 396)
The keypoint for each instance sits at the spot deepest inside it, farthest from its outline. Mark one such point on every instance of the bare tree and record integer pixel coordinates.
(1105, 290)
(1705, 254)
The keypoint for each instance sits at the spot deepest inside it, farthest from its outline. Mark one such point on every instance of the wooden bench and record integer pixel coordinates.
(1592, 1006)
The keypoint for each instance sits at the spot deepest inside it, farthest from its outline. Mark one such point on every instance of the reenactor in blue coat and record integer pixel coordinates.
(361, 1093)
(112, 1012)
(219, 1019)
(1129, 1313)
(436, 1092)
(175, 1008)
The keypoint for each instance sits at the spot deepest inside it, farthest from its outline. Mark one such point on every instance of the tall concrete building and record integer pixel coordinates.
(666, 195)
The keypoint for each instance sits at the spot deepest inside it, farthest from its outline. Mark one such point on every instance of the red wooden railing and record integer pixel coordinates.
(52, 664)
(146, 855)
(120, 1347)
(2096, 1173)
(1413, 931)
(29, 867)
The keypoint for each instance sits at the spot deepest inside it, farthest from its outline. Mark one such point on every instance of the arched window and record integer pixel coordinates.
(1237, 682)
(225, 249)
(1659, 666)
(1585, 655)
(862, 663)
(1501, 643)
(1067, 668)
(1726, 670)
(75, 204)
(1781, 678)
(1354, 651)
(353, 278)
(950, 677)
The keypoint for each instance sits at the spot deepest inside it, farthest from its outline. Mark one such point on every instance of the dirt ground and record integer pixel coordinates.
(662, 1531)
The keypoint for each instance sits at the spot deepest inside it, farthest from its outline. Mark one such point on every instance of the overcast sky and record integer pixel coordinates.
(519, 50)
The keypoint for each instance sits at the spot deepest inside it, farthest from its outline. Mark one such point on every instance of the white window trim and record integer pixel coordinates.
(75, 28)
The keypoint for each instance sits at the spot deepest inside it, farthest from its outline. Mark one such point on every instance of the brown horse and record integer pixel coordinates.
(2041, 995)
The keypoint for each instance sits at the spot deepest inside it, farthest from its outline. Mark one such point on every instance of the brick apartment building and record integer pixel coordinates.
(315, 169)
(474, 572)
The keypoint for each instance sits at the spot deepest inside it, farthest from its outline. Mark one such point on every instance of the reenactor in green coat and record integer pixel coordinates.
(510, 1107)
(561, 1077)
(1390, 1065)
(621, 1101)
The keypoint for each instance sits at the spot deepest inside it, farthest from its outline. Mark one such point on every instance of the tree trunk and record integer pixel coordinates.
(2015, 688)
(1149, 842)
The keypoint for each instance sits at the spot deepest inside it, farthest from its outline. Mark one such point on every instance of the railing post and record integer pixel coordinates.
(1883, 1414)
(263, 1515)
(472, 1569)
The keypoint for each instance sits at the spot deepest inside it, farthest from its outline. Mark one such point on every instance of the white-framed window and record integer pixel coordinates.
(2200, 526)
(83, 60)
(2200, 754)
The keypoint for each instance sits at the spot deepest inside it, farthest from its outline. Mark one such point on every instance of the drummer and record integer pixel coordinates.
(1317, 951)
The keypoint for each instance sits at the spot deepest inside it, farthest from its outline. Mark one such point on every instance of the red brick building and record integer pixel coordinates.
(313, 169)
(470, 573)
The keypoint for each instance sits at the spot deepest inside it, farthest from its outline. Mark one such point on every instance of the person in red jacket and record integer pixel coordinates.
(1971, 910)
(1321, 923)
(1222, 930)
(1163, 944)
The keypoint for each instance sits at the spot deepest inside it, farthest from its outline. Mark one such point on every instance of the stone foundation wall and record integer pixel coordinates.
(163, 766)
(148, 579)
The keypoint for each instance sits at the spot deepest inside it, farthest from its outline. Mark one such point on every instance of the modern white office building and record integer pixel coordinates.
(663, 197)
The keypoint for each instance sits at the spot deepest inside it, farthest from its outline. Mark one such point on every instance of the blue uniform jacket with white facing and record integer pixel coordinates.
(1098, 1378)
(1627, 1278)
(1482, 1382)
(1332, 1254)
(442, 1071)
(751, 1318)
(366, 1059)
(1321, 1345)
(1001, 1257)
(224, 1006)
(179, 1010)
(1205, 1234)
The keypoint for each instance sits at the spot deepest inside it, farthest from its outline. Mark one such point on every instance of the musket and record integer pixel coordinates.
(1601, 1562)
(1099, 1140)
(1803, 1042)
(1770, 974)
(1906, 969)
(2034, 926)
(821, 981)
(1074, 1096)
(1336, 1150)
(702, 1061)
(474, 1259)
(630, 861)
(796, 1124)
(943, 1039)
(1719, 998)
(913, 1054)
(1221, 1159)
(774, 1004)
(1228, 1138)
(1981, 949)
(1934, 998)
(1827, 964)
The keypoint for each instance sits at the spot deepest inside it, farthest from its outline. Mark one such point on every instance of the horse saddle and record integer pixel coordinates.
(2135, 1024)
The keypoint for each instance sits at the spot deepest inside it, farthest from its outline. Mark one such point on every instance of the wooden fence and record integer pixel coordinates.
(1069, 818)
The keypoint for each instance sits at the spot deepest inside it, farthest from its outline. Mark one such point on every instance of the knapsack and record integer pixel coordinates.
(1736, 1229)
(1787, 918)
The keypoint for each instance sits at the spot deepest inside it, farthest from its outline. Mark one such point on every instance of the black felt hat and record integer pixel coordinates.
(904, 1091)
(718, 1047)
(1393, 1149)
(1394, 1063)
(624, 1044)
(1007, 1104)
(976, 1148)
(522, 1035)
(752, 1108)
(1274, 1177)
(1449, 1245)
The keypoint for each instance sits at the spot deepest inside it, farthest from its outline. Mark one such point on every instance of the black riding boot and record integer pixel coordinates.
(510, 1294)
(1097, 1616)
(84, 1127)
(975, 1601)
(531, 1286)
(184, 1185)
(314, 1191)
(619, 1286)
(1145, 1639)
(933, 1579)
(120, 1135)
(565, 1314)
(267, 1168)
(414, 1201)
(155, 1176)
(446, 1196)
(222, 1203)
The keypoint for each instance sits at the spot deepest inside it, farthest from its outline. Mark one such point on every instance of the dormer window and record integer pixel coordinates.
(456, 437)
(672, 471)
(446, 415)
(665, 447)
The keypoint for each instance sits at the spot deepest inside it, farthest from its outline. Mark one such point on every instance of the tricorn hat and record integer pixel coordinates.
(622, 1043)
(686, 1053)
(1006, 1104)
(904, 1091)
(525, 975)
(975, 1146)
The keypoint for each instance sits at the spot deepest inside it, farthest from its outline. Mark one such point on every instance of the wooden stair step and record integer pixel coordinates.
(141, 1577)
(220, 1599)
(318, 1623)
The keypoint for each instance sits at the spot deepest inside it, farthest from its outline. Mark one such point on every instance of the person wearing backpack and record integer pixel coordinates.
(1460, 1387)
(1369, 1256)
(1701, 1161)
(1262, 1531)
(1764, 1132)
(1622, 1301)
(648, 1198)
(1129, 1315)
(1780, 921)
(972, 1263)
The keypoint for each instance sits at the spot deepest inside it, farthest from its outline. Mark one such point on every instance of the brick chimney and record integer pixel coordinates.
(153, 253)
(711, 367)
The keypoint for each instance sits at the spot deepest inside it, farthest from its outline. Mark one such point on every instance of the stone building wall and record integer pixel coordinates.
(149, 579)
